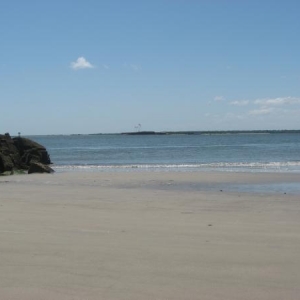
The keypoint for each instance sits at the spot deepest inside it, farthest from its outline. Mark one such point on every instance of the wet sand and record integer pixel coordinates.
(150, 236)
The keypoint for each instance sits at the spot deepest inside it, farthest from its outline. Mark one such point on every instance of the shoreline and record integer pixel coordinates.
(171, 168)
(181, 132)
(117, 236)
(205, 180)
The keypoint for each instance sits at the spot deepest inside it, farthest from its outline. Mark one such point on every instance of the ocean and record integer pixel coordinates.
(239, 152)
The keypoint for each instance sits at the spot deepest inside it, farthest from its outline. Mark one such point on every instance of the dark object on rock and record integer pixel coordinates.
(37, 167)
(19, 153)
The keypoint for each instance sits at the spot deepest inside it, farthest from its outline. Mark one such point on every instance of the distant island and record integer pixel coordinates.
(209, 132)
(142, 133)
(197, 132)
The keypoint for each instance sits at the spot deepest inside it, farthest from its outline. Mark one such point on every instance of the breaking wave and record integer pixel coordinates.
(291, 166)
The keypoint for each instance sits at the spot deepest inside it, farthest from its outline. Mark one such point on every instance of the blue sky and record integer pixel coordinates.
(105, 66)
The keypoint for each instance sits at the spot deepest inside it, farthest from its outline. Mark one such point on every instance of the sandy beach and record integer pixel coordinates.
(135, 235)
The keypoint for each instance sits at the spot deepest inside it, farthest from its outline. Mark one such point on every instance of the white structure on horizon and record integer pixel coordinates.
(138, 127)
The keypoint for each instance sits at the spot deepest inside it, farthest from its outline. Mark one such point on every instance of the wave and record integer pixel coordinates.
(291, 166)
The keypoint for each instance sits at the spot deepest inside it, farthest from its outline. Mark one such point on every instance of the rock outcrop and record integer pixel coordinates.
(36, 167)
(20, 153)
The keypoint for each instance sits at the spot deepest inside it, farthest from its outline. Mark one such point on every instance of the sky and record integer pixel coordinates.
(95, 66)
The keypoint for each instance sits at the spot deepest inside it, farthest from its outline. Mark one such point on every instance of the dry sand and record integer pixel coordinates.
(149, 236)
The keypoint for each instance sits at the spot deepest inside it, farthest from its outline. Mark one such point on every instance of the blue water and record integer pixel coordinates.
(279, 152)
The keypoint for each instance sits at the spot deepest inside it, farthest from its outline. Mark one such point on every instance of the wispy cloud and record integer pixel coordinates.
(261, 111)
(219, 98)
(277, 101)
(133, 67)
(266, 106)
(239, 103)
(81, 63)
(231, 115)
(273, 105)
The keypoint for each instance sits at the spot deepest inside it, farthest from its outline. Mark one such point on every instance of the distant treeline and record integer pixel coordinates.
(206, 132)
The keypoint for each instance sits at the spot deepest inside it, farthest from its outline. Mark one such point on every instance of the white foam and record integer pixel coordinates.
(291, 166)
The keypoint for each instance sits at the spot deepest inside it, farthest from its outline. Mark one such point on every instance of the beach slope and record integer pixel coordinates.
(207, 236)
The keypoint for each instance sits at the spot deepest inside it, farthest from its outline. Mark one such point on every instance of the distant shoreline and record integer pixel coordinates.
(206, 132)
(190, 132)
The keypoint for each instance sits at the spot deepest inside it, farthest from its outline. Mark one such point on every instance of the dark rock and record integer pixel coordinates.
(37, 167)
(6, 163)
(29, 149)
(19, 153)
(9, 154)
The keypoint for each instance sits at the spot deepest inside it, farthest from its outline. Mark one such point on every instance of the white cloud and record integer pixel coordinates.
(267, 106)
(261, 111)
(240, 103)
(219, 98)
(277, 101)
(273, 106)
(81, 63)
(133, 67)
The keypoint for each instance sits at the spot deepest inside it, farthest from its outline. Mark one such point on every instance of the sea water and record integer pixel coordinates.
(243, 152)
